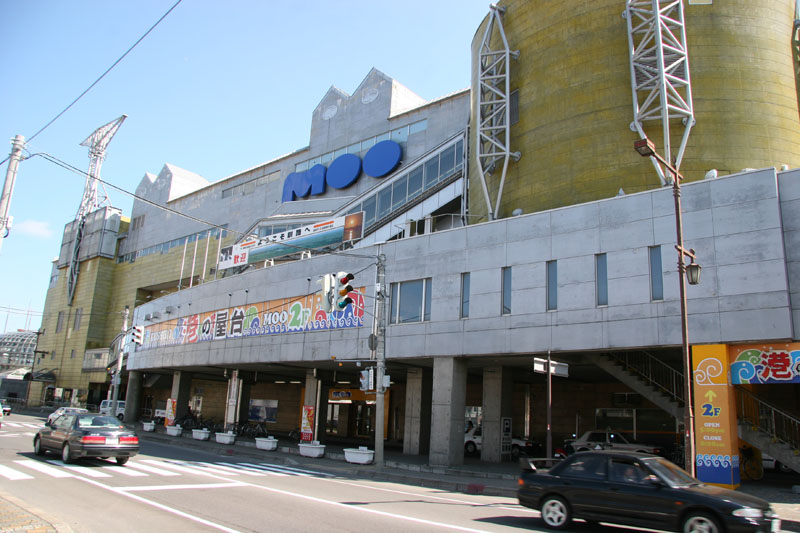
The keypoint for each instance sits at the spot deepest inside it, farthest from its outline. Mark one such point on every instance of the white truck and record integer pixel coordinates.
(105, 408)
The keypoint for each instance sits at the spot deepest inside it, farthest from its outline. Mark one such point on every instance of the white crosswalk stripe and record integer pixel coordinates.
(43, 468)
(21, 425)
(13, 475)
(97, 468)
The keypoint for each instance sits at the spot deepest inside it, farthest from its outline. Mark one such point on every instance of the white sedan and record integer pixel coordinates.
(65, 410)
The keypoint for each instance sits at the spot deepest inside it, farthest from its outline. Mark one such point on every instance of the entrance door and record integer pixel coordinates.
(364, 419)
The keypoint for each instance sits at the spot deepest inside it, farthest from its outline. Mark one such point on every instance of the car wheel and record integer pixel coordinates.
(470, 448)
(700, 523)
(66, 454)
(555, 512)
(515, 452)
(37, 446)
(122, 460)
(120, 416)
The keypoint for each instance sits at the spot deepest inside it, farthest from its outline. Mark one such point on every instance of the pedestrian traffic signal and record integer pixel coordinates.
(342, 289)
(137, 334)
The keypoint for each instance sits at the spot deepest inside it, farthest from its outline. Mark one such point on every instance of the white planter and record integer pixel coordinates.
(149, 426)
(200, 434)
(268, 443)
(225, 438)
(311, 450)
(360, 455)
(175, 431)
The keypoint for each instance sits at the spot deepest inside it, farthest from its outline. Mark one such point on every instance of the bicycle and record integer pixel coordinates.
(749, 466)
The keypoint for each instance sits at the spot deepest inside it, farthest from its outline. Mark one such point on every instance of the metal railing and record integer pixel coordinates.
(657, 373)
(779, 425)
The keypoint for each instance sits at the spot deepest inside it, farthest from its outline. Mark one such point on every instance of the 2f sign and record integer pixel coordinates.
(710, 410)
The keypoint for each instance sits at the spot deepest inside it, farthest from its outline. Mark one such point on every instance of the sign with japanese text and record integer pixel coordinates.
(776, 363)
(307, 424)
(313, 236)
(273, 317)
(716, 438)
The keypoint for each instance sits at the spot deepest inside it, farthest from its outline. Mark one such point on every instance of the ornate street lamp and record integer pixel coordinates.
(646, 148)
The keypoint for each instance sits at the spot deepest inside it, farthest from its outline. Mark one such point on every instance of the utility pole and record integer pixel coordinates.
(17, 144)
(378, 353)
(118, 372)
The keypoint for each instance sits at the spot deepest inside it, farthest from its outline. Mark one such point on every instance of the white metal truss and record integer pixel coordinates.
(493, 129)
(91, 201)
(660, 81)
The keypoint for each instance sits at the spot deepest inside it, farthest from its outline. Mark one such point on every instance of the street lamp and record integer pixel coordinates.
(646, 148)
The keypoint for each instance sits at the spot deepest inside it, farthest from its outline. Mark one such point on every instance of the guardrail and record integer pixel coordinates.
(659, 374)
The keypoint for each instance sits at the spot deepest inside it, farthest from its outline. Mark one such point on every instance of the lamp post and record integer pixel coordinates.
(646, 148)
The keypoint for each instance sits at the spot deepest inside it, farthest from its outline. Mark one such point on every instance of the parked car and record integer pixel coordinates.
(65, 410)
(608, 439)
(474, 437)
(105, 408)
(6, 408)
(86, 435)
(638, 490)
(770, 463)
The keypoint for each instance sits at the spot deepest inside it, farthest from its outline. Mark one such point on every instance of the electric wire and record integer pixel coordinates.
(103, 75)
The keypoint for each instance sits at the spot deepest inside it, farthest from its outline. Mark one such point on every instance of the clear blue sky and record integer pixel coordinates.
(216, 88)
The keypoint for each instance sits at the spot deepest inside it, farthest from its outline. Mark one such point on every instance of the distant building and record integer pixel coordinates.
(16, 349)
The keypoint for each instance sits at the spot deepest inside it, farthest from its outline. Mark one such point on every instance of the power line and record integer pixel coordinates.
(103, 75)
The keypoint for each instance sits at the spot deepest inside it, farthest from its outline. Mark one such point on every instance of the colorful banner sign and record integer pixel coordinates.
(313, 236)
(307, 424)
(274, 317)
(759, 364)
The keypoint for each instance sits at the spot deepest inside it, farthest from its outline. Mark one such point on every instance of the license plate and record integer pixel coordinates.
(112, 441)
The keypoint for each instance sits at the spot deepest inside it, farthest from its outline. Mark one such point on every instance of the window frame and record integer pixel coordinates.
(601, 279)
(425, 300)
(506, 290)
(656, 273)
(552, 285)
(465, 294)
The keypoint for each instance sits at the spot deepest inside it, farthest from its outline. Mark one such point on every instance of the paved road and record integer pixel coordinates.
(172, 489)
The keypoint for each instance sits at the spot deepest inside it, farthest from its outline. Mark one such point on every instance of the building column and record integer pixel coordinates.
(417, 427)
(133, 396)
(322, 416)
(244, 396)
(497, 403)
(447, 411)
(181, 392)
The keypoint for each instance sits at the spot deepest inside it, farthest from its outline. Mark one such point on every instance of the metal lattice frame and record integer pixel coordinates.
(97, 143)
(493, 130)
(660, 81)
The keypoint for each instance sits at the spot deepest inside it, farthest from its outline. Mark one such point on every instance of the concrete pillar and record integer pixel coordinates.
(497, 403)
(181, 392)
(322, 416)
(133, 396)
(417, 428)
(244, 396)
(447, 411)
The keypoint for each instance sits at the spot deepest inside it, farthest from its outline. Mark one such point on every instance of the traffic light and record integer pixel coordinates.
(328, 282)
(137, 334)
(342, 289)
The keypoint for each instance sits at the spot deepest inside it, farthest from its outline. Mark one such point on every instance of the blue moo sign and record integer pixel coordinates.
(379, 161)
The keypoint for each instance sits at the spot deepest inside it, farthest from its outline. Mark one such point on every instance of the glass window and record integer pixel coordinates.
(367, 144)
(418, 127)
(506, 287)
(399, 192)
(447, 161)
(299, 167)
(225, 194)
(384, 202)
(326, 158)
(354, 148)
(382, 137)
(415, 182)
(459, 154)
(76, 325)
(278, 229)
(552, 285)
(313, 162)
(354, 209)
(340, 152)
(60, 321)
(656, 274)
(369, 211)
(513, 107)
(411, 301)
(601, 278)
(400, 135)
(431, 172)
(465, 295)
(586, 467)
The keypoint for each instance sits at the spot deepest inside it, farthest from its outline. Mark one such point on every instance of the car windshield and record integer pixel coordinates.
(669, 472)
(95, 421)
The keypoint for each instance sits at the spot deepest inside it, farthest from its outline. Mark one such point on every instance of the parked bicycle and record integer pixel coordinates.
(749, 465)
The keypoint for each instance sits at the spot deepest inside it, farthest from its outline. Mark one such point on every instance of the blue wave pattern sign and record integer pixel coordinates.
(765, 364)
